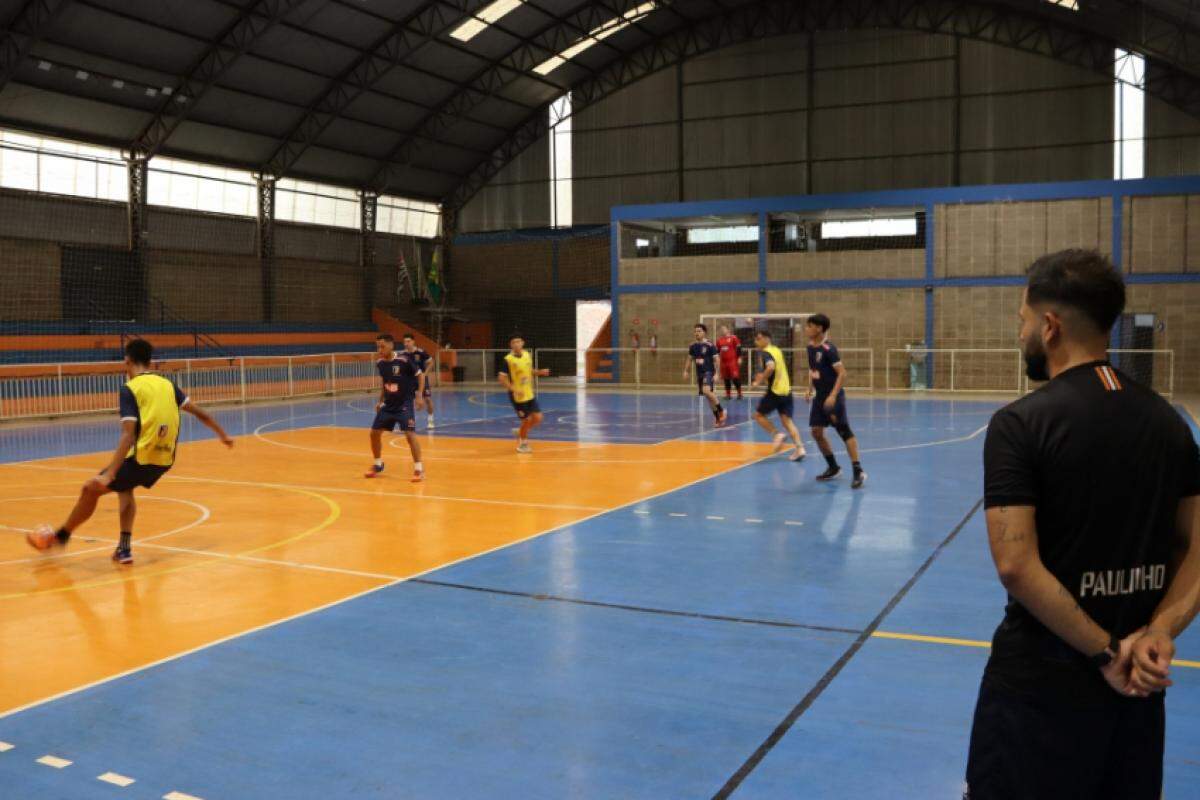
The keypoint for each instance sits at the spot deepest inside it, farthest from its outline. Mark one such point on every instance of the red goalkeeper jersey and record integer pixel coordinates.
(729, 349)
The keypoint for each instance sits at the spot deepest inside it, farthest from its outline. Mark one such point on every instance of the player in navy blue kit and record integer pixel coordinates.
(424, 361)
(827, 374)
(701, 355)
(403, 383)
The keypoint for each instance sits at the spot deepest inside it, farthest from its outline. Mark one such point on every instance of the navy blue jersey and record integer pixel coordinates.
(702, 354)
(821, 360)
(422, 358)
(399, 380)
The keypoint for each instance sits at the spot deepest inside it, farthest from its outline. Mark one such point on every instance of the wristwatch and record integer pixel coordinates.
(1106, 656)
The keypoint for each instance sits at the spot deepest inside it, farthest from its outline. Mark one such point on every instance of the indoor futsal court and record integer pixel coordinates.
(395, 399)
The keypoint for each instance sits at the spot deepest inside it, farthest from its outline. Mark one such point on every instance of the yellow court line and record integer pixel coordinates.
(335, 511)
(916, 637)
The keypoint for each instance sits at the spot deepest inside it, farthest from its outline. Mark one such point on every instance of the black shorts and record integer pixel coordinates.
(525, 409)
(770, 401)
(386, 419)
(1035, 749)
(704, 380)
(818, 417)
(132, 474)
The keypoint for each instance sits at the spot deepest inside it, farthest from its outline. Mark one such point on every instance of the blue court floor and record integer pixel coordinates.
(732, 637)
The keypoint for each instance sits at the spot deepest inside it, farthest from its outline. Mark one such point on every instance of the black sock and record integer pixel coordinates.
(831, 461)
(857, 467)
(717, 411)
(125, 540)
(63, 535)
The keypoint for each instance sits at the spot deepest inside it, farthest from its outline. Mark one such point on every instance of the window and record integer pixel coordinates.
(316, 204)
(561, 206)
(733, 233)
(595, 35)
(865, 228)
(406, 217)
(38, 164)
(1129, 116)
(481, 19)
(201, 187)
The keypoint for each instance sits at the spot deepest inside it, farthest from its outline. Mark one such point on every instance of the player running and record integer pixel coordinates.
(778, 396)
(150, 406)
(828, 374)
(403, 381)
(730, 348)
(517, 377)
(424, 361)
(701, 354)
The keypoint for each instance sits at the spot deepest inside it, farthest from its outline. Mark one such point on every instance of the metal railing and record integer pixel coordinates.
(1002, 370)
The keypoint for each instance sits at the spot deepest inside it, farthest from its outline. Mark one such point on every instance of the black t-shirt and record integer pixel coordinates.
(703, 354)
(399, 377)
(1105, 463)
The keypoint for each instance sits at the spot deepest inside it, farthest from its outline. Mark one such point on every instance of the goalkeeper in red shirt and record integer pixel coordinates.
(730, 348)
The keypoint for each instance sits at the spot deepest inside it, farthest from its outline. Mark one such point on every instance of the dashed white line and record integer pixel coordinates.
(179, 796)
(676, 514)
(115, 779)
(55, 761)
(718, 519)
(792, 522)
(5, 747)
(642, 513)
(753, 519)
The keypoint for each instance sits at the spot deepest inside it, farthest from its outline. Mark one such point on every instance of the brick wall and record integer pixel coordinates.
(1163, 234)
(846, 265)
(690, 269)
(32, 275)
(672, 316)
(205, 287)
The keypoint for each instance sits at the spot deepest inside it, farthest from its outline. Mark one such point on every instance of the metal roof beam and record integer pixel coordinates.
(23, 31)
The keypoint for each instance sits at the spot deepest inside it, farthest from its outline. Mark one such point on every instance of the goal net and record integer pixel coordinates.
(787, 333)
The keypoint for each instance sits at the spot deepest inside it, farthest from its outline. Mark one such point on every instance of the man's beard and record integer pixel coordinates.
(1034, 353)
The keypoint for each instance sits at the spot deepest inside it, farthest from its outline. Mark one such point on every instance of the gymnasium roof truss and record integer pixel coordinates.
(371, 97)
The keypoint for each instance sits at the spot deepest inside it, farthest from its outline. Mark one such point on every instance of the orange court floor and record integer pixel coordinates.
(284, 523)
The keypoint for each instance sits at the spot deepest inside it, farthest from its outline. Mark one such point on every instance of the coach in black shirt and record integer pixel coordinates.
(1090, 486)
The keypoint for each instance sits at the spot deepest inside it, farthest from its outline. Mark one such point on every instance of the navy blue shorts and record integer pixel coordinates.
(775, 402)
(704, 380)
(820, 418)
(386, 419)
(525, 409)
(132, 474)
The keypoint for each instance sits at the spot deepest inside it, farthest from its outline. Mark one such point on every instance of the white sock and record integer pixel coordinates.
(431, 418)
(418, 467)
(379, 462)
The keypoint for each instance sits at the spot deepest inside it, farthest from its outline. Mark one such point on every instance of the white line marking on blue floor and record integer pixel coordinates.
(677, 514)
(179, 796)
(5, 747)
(55, 761)
(752, 519)
(115, 779)
(643, 513)
(792, 522)
(718, 519)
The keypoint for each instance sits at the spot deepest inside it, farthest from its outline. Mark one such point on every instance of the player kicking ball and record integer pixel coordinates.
(828, 374)
(403, 385)
(516, 376)
(778, 396)
(150, 406)
(701, 354)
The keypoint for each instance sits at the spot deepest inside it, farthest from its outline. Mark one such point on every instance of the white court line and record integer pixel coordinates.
(919, 445)
(753, 520)
(364, 593)
(718, 519)
(55, 761)
(792, 522)
(205, 514)
(180, 796)
(676, 514)
(5, 747)
(643, 513)
(116, 780)
(336, 490)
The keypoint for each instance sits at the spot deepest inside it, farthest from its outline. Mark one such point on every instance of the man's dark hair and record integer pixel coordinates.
(702, 327)
(1084, 280)
(409, 336)
(515, 336)
(763, 332)
(820, 320)
(139, 351)
(385, 337)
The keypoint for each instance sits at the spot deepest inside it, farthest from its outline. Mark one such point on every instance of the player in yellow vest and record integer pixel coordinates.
(517, 376)
(150, 406)
(778, 396)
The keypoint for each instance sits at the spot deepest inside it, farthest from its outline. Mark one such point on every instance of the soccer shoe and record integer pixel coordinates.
(418, 476)
(43, 537)
(123, 555)
(373, 472)
(430, 426)
(780, 441)
(797, 455)
(524, 447)
(859, 480)
(724, 415)
(830, 474)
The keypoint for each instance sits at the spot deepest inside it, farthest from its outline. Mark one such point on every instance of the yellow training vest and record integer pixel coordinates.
(780, 383)
(520, 376)
(158, 420)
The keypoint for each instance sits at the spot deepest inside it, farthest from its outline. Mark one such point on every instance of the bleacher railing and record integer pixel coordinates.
(1002, 370)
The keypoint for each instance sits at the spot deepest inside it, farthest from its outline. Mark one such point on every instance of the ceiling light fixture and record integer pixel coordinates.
(595, 35)
(478, 21)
